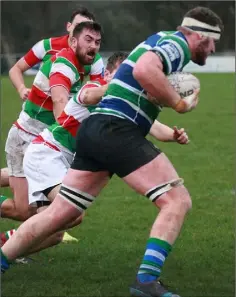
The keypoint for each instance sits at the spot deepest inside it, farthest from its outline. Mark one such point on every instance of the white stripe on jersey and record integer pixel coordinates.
(76, 110)
(65, 70)
(97, 67)
(129, 62)
(39, 50)
(135, 107)
(41, 82)
(141, 45)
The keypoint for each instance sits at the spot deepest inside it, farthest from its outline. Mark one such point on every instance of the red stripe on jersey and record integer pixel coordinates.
(31, 59)
(100, 80)
(58, 78)
(58, 43)
(21, 128)
(40, 140)
(39, 98)
(96, 77)
(69, 123)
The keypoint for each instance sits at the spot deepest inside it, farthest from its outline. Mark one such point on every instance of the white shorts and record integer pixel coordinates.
(44, 167)
(16, 145)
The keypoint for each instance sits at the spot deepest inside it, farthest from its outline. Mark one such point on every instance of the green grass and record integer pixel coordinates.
(114, 232)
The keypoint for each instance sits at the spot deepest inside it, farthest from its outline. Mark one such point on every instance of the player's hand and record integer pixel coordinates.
(24, 92)
(180, 136)
(188, 103)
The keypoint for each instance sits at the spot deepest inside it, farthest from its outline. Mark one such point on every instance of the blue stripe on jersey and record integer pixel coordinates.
(124, 73)
(123, 107)
(152, 40)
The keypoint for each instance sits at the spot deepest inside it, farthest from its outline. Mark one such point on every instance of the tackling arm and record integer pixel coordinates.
(60, 96)
(91, 96)
(166, 134)
(162, 132)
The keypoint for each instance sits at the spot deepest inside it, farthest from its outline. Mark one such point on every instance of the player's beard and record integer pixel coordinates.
(200, 58)
(85, 57)
(201, 53)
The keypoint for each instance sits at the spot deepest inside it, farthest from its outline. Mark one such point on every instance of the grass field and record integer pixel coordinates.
(114, 232)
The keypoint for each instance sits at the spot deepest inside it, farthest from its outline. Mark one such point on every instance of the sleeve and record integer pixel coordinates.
(97, 68)
(35, 54)
(173, 52)
(89, 84)
(63, 73)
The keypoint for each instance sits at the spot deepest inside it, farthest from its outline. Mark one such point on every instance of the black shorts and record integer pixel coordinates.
(109, 143)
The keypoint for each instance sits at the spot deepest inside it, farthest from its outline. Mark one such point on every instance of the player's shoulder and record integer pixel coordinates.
(165, 36)
(59, 42)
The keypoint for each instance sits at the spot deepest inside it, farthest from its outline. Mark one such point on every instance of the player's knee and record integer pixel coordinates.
(61, 213)
(176, 198)
(171, 194)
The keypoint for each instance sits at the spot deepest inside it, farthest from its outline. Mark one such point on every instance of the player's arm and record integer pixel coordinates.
(166, 134)
(150, 71)
(33, 57)
(61, 78)
(60, 97)
(91, 93)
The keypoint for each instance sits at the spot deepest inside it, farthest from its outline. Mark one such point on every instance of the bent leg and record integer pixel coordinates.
(173, 204)
(65, 208)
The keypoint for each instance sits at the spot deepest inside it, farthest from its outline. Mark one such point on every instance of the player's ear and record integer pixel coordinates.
(68, 25)
(74, 42)
(184, 30)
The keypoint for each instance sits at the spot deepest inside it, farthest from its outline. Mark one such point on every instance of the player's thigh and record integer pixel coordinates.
(86, 181)
(156, 172)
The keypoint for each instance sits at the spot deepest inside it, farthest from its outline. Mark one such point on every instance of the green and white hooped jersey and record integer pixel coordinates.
(125, 98)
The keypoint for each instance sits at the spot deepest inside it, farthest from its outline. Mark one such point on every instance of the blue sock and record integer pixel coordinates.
(5, 264)
(156, 252)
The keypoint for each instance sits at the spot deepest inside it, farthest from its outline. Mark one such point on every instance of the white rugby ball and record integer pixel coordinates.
(184, 83)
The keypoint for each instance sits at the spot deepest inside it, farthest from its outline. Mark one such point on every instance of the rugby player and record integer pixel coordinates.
(22, 132)
(17, 208)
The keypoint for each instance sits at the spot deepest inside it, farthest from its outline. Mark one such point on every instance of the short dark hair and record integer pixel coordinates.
(205, 15)
(93, 26)
(114, 59)
(83, 11)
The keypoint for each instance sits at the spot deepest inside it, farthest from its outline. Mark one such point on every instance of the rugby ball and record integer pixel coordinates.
(184, 83)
